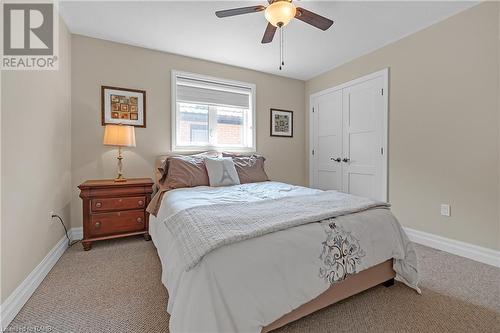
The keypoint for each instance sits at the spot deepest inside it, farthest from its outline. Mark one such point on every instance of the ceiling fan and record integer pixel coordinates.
(279, 13)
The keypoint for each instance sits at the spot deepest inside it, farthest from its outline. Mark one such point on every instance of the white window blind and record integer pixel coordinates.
(212, 113)
(197, 91)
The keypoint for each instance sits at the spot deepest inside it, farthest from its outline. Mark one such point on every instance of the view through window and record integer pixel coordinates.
(213, 113)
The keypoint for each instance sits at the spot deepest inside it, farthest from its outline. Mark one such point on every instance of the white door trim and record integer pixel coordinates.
(384, 74)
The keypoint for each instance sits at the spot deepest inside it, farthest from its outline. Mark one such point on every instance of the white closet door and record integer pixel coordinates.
(363, 128)
(327, 117)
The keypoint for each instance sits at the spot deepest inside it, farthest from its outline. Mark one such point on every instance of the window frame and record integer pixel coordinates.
(174, 114)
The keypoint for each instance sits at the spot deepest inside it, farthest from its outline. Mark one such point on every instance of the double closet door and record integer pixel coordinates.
(349, 137)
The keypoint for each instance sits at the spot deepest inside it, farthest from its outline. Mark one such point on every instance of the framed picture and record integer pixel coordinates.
(123, 106)
(281, 123)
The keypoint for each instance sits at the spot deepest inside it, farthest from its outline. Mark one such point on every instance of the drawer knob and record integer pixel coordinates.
(98, 205)
(140, 202)
(97, 225)
(139, 220)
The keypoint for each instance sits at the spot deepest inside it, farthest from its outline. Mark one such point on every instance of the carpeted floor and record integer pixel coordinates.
(116, 288)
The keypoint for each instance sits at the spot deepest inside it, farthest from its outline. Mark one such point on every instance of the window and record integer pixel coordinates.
(211, 113)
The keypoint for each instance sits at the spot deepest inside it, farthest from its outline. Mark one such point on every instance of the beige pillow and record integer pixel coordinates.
(159, 171)
(163, 165)
(250, 168)
(186, 171)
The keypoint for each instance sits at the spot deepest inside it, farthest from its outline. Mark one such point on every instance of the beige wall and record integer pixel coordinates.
(36, 164)
(443, 127)
(498, 110)
(96, 62)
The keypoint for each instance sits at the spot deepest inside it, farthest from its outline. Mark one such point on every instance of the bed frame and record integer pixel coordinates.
(379, 274)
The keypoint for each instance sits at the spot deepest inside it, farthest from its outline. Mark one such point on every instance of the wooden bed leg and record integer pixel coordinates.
(388, 283)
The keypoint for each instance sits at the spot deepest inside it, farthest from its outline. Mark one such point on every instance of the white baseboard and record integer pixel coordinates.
(14, 303)
(471, 251)
(76, 233)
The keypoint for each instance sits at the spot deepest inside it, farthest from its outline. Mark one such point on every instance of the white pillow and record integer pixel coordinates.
(221, 171)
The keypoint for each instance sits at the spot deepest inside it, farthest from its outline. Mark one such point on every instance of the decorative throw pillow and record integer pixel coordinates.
(250, 168)
(221, 171)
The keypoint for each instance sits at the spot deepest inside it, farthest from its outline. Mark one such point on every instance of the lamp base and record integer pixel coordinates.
(120, 178)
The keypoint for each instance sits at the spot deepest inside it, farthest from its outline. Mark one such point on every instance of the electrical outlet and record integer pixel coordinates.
(51, 218)
(445, 210)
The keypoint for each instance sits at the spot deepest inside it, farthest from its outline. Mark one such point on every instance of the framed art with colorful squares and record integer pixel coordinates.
(123, 106)
(281, 123)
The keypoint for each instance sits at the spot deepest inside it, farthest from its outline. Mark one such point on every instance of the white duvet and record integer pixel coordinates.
(244, 286)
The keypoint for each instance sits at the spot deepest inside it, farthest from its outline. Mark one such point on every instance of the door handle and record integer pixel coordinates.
(335, 159)
(345, 160)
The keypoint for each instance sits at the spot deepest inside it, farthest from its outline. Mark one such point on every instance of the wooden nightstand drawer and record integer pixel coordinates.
(125, 203)
(116, 222)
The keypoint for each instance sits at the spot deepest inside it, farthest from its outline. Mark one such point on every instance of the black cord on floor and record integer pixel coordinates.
(70, 243)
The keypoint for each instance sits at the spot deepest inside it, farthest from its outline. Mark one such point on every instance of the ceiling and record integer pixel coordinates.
(191, 28)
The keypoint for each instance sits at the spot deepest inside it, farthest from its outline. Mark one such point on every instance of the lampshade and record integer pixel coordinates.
(119, 135)
(279, 13)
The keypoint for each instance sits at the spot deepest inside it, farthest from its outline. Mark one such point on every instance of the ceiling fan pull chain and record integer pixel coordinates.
(281, 45)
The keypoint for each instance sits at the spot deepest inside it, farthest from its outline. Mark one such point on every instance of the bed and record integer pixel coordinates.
(232, 261)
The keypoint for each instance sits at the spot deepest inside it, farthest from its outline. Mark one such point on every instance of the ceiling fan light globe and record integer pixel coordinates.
(279, 13)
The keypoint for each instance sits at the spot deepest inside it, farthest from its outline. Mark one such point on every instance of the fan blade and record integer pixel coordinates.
(269, 34)
(239, 11)
(313, 19)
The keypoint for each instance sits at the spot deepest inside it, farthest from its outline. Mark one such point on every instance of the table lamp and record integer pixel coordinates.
(120, 136)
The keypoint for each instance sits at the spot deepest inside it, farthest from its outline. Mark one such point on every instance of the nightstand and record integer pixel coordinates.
(115, 209)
